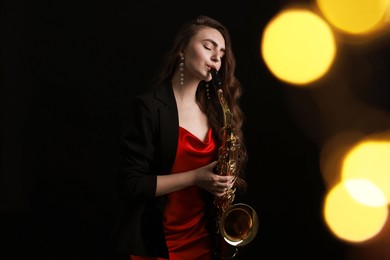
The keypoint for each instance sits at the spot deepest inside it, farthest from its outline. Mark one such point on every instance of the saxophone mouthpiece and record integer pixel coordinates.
(216, 81)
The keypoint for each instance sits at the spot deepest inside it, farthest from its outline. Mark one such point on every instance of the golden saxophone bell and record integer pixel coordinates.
(239, 224)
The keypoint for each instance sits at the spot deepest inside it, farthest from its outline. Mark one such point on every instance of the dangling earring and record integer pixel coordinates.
(181, 65)
(207, 91)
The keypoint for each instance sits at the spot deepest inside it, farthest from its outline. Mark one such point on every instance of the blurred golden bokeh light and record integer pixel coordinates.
(369, 159)
(365, 192)
(351, 220)
(333, 153)
(297, 46)
(354, 17)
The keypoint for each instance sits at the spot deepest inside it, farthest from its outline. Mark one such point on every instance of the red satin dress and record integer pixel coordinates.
(185, 228)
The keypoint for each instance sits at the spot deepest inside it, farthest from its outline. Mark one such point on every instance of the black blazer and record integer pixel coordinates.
(148, 148)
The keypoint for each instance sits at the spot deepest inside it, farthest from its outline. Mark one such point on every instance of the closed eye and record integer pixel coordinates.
(210, 44)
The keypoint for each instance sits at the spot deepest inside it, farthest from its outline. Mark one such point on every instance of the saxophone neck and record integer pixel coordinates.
(227, 114)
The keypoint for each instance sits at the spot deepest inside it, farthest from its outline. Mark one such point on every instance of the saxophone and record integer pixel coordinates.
(236, 224)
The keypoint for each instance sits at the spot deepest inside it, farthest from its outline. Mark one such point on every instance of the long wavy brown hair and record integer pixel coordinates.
(231, 86)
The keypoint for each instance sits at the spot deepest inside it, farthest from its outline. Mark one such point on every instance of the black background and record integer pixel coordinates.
(69, 69)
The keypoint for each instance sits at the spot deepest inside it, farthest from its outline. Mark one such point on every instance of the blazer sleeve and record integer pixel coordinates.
(135, 179)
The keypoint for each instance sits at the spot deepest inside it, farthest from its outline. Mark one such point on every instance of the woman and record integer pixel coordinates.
(169, 151)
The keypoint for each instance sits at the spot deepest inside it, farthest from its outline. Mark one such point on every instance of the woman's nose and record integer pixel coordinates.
(215, 58)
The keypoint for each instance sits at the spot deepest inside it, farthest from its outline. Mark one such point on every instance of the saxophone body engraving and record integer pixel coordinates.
(227, 155)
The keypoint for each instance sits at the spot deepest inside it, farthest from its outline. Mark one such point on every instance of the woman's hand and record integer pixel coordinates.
(206, 178)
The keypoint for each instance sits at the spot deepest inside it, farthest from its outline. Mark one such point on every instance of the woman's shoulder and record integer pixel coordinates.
(159, 93)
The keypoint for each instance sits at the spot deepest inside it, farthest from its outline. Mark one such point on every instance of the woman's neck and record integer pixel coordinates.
(187, 91)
